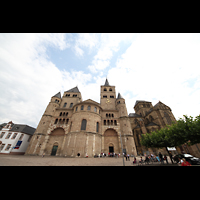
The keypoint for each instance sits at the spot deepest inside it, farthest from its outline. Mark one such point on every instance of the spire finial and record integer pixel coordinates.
(106, 82)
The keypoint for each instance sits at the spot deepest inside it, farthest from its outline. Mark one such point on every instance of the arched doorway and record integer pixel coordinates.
(54, 149)
(56, 138)
(111, 141)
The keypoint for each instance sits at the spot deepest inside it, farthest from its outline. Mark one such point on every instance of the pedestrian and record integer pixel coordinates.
(128, 157)
(134, 160)
(185, 163)
(180, 161)
(170, 155)
(165, 158)
(161, 157)
(43, 155)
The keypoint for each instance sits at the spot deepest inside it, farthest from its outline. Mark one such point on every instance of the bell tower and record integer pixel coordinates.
(108, 96)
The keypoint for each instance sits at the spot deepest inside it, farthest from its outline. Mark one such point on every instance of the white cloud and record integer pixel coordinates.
(27, 78)
(107, 44)
(158, 67)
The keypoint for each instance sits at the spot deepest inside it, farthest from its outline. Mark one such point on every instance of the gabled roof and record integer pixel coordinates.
(119, 96)
(160, 103)
(141, 101)
(57, 95)
(106, 83)
(134, 115)
(75, 89)
(90, 101)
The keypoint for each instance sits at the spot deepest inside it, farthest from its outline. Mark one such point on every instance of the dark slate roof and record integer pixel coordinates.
(119, 96)
(142, 101)
(23, 129)
(75, 89)
(152, 124)
(134, 115)
(106, 83)
(2, 125)
(57, 95)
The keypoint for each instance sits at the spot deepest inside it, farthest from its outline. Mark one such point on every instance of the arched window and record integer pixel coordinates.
(106, 114)
(97, 127)
(104, 89)
(112, 115)
(95, 109)
(56, 121)
(104, 122)
(111, 122)
(71, 104)
(61, 114)
(60, 120)
(89, 108)
(83, 124)
(65, 104)
(166, 115)
(67, 121)
(109, 114)
(115, 122)
(82, 107)
(110, 89)
(64, 114)
(108, 122)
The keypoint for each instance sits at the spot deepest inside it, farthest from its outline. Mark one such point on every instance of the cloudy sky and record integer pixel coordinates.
(151, 67)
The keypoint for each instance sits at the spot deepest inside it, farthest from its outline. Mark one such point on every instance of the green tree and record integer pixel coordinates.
(185, 130)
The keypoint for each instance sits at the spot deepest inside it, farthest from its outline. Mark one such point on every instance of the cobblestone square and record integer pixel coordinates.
(21, 160)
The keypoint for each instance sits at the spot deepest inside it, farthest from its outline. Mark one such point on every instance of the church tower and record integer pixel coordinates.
(39, 136)
(108, 96)
(125, 126)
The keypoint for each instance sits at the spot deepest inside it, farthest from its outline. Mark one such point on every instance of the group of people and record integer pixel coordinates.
(160, 158)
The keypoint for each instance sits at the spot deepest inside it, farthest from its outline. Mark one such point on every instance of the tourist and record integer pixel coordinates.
(165, 158)
(161, 158)
(185, 163)
(134, 160)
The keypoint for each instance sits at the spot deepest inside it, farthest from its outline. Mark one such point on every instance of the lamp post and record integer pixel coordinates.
(122, 148)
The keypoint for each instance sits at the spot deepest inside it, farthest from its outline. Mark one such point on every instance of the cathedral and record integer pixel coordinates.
(71, 127)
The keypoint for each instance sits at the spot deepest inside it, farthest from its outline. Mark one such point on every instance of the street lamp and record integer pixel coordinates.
(122, 148)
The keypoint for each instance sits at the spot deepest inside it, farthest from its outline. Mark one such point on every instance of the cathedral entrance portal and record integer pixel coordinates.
(54, 150)
(111, 141)
(111, 149)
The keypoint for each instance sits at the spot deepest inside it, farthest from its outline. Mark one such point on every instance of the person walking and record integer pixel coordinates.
(165, 158)
(161, 157)
(128, 157)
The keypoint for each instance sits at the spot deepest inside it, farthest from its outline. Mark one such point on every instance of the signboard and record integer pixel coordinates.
(171, 148)
(18, 144)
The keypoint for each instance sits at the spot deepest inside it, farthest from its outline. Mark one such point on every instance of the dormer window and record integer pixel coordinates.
(74, 95)
(110, 89)
(104, 89)
(67, 95)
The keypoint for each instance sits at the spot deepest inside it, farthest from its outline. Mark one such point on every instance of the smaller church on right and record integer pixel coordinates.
(148, 118)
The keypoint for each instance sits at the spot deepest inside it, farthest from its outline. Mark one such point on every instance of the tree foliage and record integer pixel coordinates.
(185, 130)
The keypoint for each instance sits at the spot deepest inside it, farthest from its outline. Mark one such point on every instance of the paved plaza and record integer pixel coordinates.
(21, 160)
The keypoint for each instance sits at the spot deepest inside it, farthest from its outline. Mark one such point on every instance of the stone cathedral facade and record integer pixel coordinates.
(70, 126)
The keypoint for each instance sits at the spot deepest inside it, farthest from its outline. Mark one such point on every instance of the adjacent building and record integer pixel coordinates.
(15, 138)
